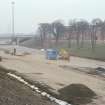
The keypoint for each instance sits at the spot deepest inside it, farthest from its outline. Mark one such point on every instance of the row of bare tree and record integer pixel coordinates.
(78, 30)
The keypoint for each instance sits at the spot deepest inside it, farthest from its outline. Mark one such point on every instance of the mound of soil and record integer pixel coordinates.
(77, 94)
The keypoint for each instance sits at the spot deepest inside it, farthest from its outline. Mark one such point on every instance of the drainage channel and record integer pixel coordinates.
(44, 94)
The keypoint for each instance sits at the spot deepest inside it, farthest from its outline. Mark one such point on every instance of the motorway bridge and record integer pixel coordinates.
(14, 39)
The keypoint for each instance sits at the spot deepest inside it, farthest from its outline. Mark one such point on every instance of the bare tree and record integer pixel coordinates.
(57, 30)
(44, 30)
(74, 32)
(40, 34)
(70, 30)
(95, 26)
(83, 26)
(78, 32)
(103, 31)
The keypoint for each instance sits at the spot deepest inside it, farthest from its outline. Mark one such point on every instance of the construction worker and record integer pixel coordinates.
(14, 51)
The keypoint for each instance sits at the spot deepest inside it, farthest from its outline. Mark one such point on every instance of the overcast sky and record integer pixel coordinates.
(28, 13)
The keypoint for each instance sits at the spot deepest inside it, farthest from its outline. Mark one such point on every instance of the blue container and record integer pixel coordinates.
(51, 54)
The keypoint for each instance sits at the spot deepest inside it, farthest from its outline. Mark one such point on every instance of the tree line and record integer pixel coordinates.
(78, 30)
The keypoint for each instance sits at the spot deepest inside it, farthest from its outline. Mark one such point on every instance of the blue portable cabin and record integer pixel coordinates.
(51, 54)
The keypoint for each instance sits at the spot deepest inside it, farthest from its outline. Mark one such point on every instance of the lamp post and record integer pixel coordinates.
(13, 29)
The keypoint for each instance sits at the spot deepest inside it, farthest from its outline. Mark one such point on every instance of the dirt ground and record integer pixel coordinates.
(35, 67)
(12, 92)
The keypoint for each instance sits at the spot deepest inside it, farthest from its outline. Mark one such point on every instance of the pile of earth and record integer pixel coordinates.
(77, 94)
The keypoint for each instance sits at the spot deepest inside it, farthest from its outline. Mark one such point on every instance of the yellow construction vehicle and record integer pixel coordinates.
(64, 54)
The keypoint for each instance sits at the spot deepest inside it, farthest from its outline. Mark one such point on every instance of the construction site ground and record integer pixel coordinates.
(33, 65)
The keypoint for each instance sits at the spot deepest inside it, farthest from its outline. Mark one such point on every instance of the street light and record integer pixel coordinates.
(13, 29)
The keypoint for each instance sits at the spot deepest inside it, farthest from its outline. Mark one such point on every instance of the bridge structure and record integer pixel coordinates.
(10, 39)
